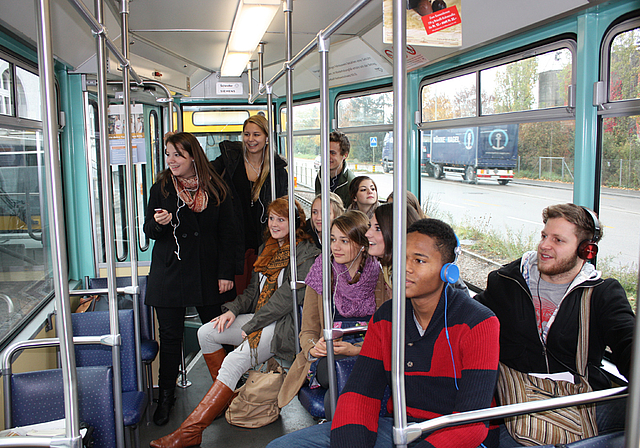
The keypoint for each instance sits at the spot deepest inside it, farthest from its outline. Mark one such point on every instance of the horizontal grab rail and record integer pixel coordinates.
(106, 339)
(326, 33)
(335, 333)
(415, 430)
(34, 441)
(97, 28)
(88, 292)
(10, 304)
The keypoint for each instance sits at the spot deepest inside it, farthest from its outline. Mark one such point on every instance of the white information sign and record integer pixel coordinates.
(229, 88)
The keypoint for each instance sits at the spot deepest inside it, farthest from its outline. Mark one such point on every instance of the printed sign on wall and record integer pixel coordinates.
(436, 23)
(117, 144)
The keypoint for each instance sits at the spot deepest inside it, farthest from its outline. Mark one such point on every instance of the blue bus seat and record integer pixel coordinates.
(148, 345)
(313, 399)
(97, 323)
(38, 397)
(611, 440)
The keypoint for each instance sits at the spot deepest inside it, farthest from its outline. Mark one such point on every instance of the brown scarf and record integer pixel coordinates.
(184, 187)
(270, 262)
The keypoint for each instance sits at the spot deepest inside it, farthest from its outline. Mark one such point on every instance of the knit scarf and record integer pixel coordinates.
(269, 263)
(196, 202)
(357, 300)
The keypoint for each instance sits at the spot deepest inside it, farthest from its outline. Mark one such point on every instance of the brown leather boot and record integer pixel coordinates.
(190, 432)
(214, 361)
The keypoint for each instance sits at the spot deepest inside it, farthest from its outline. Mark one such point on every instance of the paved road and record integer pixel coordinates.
(516, 208)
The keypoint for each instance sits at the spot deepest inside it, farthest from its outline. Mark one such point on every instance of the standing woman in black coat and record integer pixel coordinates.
(190, 215)
(245, 167)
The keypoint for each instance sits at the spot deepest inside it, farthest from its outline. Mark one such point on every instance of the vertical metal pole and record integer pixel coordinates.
(55, 213)
(131, 188)
(260, 66)
(323, 52)
(400, 221)
(632, 434)
(170, 105)
(107, 210)
(250, 76)
(288, 11)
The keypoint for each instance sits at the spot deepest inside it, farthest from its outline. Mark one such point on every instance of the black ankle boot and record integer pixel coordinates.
(166, 399)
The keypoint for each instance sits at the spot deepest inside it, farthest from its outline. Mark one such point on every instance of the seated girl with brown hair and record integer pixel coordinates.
(356, 293)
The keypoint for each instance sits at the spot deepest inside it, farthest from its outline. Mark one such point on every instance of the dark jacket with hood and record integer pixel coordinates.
(342, 182)
(611, 322)
(226, 165)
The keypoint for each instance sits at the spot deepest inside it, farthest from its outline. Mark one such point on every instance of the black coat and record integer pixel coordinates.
(226, 165)
(206, 240)
(611, 324)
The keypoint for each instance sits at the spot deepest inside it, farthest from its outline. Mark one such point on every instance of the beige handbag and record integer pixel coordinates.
(257, 402)
(557, 426)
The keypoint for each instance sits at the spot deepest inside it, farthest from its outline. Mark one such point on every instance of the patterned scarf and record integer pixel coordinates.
(270, 262)
(357, 300)
(197, 202)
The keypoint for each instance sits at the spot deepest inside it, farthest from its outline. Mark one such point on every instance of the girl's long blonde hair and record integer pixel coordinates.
(263, 124)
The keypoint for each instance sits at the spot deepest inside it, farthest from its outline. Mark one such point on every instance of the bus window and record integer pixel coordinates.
(214, 124)
(6, 88)
(28, 90)
(619, 135)
(494, 124)
(306, 140)
(367, 119)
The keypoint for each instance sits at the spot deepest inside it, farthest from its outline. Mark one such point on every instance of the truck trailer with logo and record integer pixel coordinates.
(477, 153)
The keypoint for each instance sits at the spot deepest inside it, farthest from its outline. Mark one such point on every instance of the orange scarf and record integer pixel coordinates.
(270, 262)
(184, 187)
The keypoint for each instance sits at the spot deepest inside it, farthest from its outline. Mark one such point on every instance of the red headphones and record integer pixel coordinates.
(588, 249)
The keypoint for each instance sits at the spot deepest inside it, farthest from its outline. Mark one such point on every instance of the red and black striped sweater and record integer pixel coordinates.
(429, 373)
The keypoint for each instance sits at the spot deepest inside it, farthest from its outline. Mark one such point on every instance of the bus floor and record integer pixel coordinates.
(220, 433)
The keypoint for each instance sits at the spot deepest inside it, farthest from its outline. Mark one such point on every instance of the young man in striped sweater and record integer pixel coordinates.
(451, 358)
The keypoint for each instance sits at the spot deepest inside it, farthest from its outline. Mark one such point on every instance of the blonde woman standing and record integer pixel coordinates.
(245, 167)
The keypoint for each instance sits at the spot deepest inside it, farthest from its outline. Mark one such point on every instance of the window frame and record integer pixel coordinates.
(384, 127)
(14, 121)
(35, 318)
(557, 113)
(618, 108)
(296, 133)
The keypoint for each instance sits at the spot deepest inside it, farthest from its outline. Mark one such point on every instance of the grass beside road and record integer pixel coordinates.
(510, 245)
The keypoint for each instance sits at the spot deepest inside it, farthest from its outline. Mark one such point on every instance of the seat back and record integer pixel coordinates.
(38, 397)
(146, 312)
(611, 440)
(313, 399)
(97, 323)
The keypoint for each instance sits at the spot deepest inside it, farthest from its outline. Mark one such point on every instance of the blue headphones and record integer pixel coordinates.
(450, 272)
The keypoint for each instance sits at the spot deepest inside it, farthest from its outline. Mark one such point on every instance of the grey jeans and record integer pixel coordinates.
(240, 360)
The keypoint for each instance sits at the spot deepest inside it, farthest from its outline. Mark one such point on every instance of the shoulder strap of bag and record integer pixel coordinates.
(582, 356)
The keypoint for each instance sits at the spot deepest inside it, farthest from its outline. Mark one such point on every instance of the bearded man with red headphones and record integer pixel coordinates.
(537, 300)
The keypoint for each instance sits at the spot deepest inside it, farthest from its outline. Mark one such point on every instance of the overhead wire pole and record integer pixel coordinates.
(107, 210)
(131, 188)
(56, 221)
(323, 53)
(400, 222)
